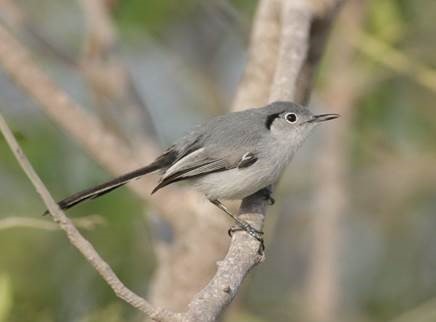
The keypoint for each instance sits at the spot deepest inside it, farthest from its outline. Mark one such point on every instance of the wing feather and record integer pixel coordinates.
(195, 164)
(204, 161)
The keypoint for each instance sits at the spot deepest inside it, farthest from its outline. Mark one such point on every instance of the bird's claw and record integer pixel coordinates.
(271, 201)
(256, 234)
(267, 195)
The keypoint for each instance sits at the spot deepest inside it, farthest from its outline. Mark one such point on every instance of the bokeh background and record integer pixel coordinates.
(353, 231)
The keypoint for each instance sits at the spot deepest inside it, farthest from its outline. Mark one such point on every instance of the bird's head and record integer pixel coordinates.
(291, 122)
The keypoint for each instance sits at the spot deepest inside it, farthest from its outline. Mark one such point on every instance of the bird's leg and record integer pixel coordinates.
(267, 194)
(242, 224)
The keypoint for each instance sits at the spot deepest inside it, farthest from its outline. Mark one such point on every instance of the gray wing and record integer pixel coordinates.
(204, 161)
(225, 142)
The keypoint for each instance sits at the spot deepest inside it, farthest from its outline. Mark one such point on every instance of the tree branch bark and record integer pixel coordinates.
(76, 239)
(87, 222)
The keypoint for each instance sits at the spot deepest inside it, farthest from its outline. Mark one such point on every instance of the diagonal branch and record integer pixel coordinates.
(110, 82)
(76, 239)
(87, 222)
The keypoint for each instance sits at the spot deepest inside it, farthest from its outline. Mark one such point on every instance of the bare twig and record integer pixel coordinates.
(77, 239)
(88, 222)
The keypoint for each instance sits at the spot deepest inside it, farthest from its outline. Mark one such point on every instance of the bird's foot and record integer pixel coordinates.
(256, 234)
(267, 194)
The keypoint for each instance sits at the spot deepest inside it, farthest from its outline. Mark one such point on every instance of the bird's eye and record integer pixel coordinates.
(291, 117)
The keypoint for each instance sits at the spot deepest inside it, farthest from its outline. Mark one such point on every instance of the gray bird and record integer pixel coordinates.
(229, 157)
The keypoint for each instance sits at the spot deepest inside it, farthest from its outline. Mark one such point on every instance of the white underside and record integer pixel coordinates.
(240, 183)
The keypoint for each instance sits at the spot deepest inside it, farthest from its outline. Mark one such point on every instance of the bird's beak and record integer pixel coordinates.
(323, 117)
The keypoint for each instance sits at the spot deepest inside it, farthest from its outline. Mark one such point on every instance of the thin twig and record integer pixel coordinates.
(77, 239)
(88, 222)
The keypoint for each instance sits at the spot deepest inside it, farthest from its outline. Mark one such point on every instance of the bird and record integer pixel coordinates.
(229, 157)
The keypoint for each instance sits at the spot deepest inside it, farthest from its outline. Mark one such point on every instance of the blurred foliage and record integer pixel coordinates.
(5, 297)
(386, 20)
(152, 15)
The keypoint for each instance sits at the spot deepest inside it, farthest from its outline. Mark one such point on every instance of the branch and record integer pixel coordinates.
(15, 18)
(88, 222)
(262, 56)
(242, 256)
(76, 239)
(117, 98)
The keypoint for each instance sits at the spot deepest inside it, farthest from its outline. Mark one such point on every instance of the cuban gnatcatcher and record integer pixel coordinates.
(229, 157)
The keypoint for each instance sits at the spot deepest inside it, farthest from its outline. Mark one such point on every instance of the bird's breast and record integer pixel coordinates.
(239, 183)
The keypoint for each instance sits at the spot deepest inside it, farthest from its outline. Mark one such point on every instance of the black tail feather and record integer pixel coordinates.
(162, 162)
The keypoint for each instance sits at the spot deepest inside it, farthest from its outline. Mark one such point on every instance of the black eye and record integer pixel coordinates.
(291, 117)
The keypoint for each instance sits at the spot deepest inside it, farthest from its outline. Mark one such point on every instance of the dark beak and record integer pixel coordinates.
(323, 117)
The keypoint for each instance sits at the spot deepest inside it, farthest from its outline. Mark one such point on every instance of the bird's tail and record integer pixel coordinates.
(106, 187)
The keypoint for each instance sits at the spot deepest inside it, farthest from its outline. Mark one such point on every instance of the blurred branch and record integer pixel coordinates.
(10, 13)
(15, 18)
(323, 292)
(74, 236)
(256, 81)
(87, 222)
(396, 60)
(111, 83)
